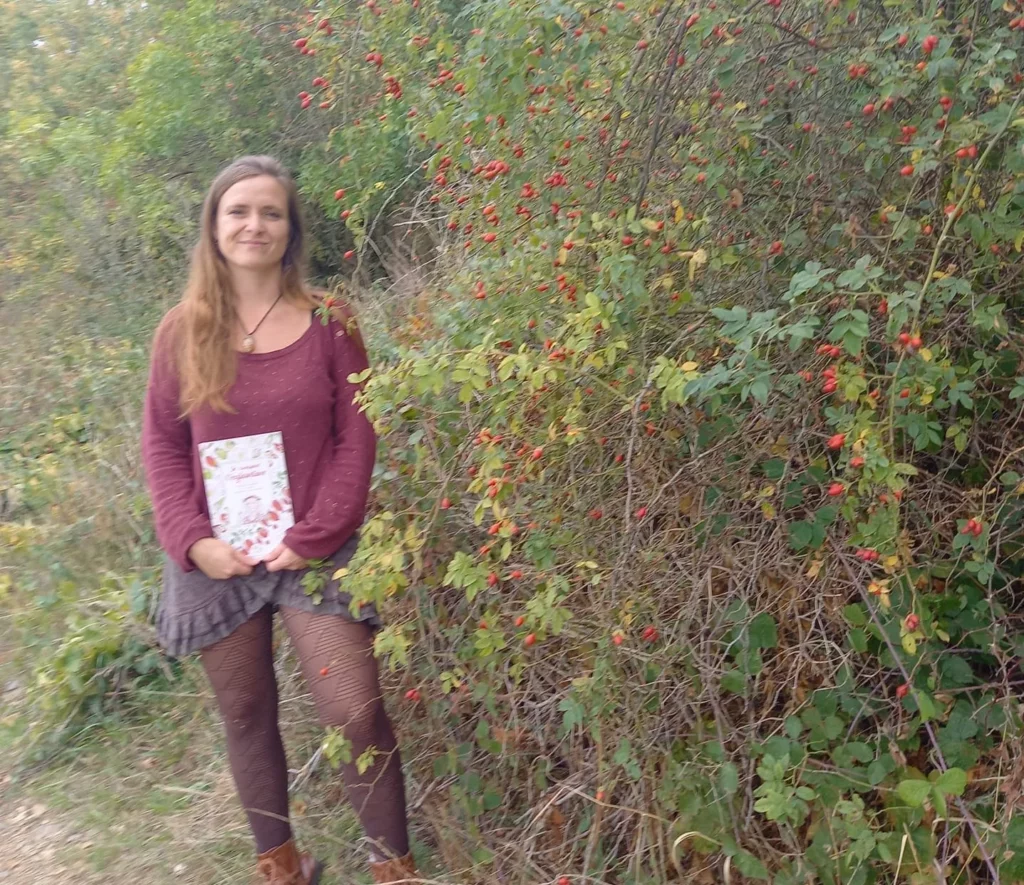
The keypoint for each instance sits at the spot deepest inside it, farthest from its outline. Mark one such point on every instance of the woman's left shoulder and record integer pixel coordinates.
(340, 314)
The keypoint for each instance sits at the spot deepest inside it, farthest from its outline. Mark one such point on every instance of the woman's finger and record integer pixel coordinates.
(245, 558)
(287, 560)
(275, 553)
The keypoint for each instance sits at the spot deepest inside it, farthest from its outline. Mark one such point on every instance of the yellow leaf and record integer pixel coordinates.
(698, 259)
(679, 217)
(943, 635)
(1018, 241)
(767, 510)
(740, 106)
(909, 644)
(689, 366)
(563, 255)
(743, 142)
(925, 354)
(812, 572)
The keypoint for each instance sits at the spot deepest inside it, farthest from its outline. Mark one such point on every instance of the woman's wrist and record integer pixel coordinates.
(194, 545)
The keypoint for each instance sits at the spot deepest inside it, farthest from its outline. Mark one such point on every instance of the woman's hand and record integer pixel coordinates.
(218, 559)
(282, 558)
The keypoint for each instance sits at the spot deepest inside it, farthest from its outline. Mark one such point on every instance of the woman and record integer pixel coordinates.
(243, 354)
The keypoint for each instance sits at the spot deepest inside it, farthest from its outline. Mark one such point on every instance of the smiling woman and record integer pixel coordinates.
(238, 359)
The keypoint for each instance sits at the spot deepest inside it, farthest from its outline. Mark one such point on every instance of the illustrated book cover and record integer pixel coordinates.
(246, 483)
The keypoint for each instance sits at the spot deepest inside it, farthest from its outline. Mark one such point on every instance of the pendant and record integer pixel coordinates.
(248, 344)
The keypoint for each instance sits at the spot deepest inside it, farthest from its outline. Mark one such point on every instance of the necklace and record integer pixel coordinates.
(248, 342)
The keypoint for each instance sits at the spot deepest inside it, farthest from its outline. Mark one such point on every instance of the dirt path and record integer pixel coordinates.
(36, 843)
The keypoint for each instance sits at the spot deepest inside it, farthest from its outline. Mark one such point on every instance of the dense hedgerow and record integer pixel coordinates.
(697, 521)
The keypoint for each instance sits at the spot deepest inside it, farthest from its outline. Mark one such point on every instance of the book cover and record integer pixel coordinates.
(246, 483)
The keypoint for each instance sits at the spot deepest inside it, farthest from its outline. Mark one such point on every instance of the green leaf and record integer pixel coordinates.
(855, 615)
(801, 533)
(952, 782)
(926, 706)
(762, 632)
(732, 680)
(880, 769)
(956, 670)
(750, 866)
(794, 727)
(914, 792)
(729, 779)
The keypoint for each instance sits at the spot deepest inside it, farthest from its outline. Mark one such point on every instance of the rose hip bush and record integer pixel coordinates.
(699, 521)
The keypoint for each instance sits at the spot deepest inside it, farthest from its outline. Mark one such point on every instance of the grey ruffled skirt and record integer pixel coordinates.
(195, 611)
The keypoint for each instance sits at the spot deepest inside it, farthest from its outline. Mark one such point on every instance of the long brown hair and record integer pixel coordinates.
(201, 324)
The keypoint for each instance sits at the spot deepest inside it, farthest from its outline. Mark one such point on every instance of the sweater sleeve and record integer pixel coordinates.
(339, 506)
(167, 460)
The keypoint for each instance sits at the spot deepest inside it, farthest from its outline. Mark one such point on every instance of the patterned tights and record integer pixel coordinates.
(338, 664)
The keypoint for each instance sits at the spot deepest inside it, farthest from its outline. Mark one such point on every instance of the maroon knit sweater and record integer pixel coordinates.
(300, 390)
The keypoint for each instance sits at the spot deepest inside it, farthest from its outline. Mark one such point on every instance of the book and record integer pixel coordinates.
(247, 493)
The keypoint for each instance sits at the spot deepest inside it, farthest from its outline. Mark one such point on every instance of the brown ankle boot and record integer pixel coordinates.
(401, 869)
(285, 866)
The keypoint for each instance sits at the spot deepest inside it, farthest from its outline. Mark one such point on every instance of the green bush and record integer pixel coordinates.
(697, 519)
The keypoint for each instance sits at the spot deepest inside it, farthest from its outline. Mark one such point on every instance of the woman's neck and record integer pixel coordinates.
(256, 290)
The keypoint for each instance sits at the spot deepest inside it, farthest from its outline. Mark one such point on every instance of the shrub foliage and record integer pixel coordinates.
(698, 513)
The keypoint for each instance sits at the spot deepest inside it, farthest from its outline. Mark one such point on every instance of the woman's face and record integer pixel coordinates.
(252, 225)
